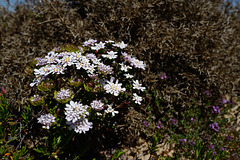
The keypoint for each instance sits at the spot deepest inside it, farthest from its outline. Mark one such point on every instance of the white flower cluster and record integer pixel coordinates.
(114, 88)
(91, 58)
(63, 94)
(46, 120)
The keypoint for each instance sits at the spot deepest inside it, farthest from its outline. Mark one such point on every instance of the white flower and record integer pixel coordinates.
(97, 105)
(111, 110)
(79, 55)
(63, 94)
(75, 111)
(68, 60)
(51, 53)
(137, 64)
(89, 42)
(80, 126)
(96, 61)
(124, 67)
(121, 45)
(91, 56)
(90, 68)
(99, 114)
(41, 61)
(46, 120)
(83, 63)
(110, 55)
(137, 98)
(57, 69)
(114, 88)
(98, 46)
(37, 80)
(51, 59)
(138, 86)
(128, 75)
(43, 71)
(105, 69)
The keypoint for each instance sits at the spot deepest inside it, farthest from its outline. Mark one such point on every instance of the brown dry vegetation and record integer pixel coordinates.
(195, 42)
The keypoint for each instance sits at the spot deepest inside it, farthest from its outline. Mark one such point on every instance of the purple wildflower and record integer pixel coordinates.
(191, 142)
(163, 75)
(235, 156)
(159, 125)
(126, 57)
(224, 101)
(193, 120)
(173, 121)
(41, 61)
(208, 93)
(146, 123)
(222, 148)
(210, 146)
(214, 153)
(183, 141)
(214, 126)
(229, 138)
(56, 49)
(216, 110)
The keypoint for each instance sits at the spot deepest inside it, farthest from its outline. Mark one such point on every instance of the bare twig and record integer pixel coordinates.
(50, 20)
(62, 20)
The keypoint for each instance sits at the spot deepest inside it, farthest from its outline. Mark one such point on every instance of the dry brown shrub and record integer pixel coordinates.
(195, 42)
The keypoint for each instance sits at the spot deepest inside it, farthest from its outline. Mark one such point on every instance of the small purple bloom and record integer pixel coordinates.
(235, 156)
(214, 153)
(191, 142)
(193, 120)
(224, 101)
(216, 110)
(146, 123)
(210, 146)
(208, 93)
(173, 121)
(163, 75)
(41, 61)
(183, 141)
(229, 138)
(222, 148)
(56, 49)
(214, 126)
(159, 125)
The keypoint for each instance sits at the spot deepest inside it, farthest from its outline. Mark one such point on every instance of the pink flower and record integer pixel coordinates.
(3, 91)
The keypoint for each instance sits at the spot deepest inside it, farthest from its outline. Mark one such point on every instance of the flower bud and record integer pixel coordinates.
(3, 91)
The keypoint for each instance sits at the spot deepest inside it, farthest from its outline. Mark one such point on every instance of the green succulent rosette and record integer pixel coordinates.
(63, 96)
(37, 100)
(46, 85)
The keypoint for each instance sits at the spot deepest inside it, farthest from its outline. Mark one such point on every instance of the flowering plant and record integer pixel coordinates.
(80, 83)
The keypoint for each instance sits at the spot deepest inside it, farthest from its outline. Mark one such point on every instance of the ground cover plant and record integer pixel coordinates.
(81, 87)
(191, 52)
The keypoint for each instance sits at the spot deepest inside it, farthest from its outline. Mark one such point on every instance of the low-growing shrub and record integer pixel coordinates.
(80, 88)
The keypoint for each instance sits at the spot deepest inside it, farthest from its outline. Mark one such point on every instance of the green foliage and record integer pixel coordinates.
(117, 154)
(9, 135)
(192, 133)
